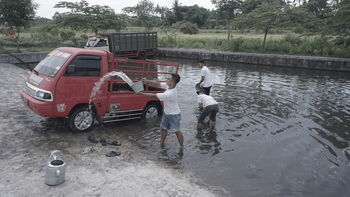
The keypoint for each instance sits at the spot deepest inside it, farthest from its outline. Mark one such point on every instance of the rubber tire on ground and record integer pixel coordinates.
(150, 106)
(74, 115)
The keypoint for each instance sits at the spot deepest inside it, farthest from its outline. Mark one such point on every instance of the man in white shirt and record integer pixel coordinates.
(172, 115)
(209, 107)
(205, 81)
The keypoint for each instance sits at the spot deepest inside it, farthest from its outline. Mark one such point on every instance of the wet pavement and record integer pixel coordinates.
(279, 132)
(26, 140)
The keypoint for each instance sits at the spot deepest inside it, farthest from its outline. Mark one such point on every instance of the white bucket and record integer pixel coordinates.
(138, 86)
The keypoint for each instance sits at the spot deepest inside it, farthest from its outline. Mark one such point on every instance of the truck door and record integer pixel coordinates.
(75, 85)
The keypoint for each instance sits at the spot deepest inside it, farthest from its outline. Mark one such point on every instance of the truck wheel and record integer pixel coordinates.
(81, 120)
(151, 111)
(142, 56)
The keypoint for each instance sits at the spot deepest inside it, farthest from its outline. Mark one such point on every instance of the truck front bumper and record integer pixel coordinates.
(42, 108)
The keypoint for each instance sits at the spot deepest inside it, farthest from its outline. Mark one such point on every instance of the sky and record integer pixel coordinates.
(46, 9)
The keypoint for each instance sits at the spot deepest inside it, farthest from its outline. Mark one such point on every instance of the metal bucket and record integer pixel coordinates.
(138, 86)
(55, 169)
(197, 87)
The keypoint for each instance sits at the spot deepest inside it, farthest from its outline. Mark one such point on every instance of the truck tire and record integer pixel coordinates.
(151, 111)
(81, 120)
(142, 56)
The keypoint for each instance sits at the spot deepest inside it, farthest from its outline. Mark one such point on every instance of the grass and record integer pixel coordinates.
(248, 41)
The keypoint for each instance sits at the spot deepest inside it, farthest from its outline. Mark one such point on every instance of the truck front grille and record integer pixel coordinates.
(32, 91)
(29, 90)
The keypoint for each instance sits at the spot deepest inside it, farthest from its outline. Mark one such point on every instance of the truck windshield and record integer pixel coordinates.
(52, 63)
(91, 43)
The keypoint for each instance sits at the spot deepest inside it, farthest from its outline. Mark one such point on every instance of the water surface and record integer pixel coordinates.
(280, 131)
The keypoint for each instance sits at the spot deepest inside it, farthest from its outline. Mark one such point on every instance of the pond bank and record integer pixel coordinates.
(308, 62)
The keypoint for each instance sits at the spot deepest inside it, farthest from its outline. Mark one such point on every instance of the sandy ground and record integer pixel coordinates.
(26, 140)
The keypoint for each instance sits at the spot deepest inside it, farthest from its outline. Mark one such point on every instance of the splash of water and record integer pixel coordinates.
(99, 83)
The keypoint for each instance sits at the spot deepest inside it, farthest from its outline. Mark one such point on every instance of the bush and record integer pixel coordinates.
(84, 37)
(186, 27)
(252, 44)
(278, 47)
(298, 29)
(197, 45)
(3, 30)
(219, 27)
(342, 41)
(235, 44)
(292, 39)
(67, 35)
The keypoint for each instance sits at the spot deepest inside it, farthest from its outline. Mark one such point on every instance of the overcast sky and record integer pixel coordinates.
(46, 9)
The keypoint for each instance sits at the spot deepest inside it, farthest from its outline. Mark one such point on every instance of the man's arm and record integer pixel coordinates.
(200, 103)
(200, 107)
(151, 82)
(147, 94)
(202, 79)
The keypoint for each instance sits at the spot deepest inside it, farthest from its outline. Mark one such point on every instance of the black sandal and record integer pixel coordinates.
(114, 143)
(92, 139)
(113, 154)
(103, 142)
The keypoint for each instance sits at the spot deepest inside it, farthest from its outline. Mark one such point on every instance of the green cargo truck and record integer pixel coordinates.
(131, 45)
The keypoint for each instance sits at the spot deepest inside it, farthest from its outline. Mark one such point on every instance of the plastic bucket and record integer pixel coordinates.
(138, 86)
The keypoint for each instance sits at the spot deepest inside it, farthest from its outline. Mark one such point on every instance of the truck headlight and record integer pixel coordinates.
(43, 95)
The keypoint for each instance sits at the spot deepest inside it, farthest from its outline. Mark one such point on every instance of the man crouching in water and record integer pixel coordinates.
(171, 116)
(208, 107)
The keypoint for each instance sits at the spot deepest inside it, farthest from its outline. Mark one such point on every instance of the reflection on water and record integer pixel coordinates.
(279, 132)
(208, 143)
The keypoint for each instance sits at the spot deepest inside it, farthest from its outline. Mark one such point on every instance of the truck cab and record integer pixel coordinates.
(97, 43)
(61, 85)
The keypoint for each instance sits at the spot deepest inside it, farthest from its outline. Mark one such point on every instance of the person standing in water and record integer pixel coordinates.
(205, 81)
(172, 114)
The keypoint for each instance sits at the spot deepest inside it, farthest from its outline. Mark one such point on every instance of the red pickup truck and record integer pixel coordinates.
(61, 84)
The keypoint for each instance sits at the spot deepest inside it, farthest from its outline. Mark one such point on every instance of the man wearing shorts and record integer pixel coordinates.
(205, 81)
(209, 107)
(171, 116)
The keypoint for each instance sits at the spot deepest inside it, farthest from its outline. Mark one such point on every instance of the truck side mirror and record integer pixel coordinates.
(71, 69)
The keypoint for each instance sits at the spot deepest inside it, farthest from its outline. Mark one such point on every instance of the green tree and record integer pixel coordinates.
(341, 19)
(186, 27)
(193, 14)
(40, 20)
(318, 7)
(94, 17)
(144, 12)
(227, 10)
(250, 5)
(266, 16)
(176, 11)
(17, 13)
(163, 13)
(300, 17)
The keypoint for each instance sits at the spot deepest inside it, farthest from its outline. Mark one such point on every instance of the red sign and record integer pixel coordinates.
(11, 32)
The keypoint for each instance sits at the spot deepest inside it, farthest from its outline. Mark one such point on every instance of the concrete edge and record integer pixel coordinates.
(308, 62)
